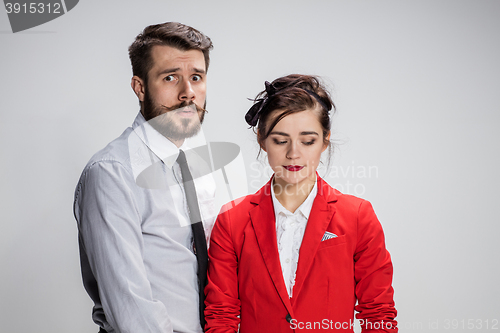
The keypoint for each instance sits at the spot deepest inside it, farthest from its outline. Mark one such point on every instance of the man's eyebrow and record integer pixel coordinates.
(169, 70)
(173, 70)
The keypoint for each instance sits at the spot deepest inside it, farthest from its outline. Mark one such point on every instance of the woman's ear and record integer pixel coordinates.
(327, 138)
(261, 142)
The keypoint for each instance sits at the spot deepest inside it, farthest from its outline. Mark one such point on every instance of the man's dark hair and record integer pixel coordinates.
(172, 34)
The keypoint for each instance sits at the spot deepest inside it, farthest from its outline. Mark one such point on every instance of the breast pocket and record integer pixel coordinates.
(332, 242)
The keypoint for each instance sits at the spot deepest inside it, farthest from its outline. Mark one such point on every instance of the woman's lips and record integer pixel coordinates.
(293, 167)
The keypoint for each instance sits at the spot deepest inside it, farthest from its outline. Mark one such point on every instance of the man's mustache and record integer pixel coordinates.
(183, 105)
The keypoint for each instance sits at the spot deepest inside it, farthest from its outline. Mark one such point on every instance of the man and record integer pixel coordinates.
(142, 246)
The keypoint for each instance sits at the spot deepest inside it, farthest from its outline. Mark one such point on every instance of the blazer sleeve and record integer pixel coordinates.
(373, 275)
(222, 302)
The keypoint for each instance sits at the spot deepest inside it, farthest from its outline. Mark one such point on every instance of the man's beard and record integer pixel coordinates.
(161, 118)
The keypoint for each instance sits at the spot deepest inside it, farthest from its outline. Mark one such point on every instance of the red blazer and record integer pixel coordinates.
(245, 282)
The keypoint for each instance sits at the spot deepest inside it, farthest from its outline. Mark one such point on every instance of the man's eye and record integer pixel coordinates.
(196, 78)
(169, 78)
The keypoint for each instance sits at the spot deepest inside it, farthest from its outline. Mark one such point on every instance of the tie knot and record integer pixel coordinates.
(181, 159)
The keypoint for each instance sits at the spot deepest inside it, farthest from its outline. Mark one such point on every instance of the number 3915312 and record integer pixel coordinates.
(33, 8)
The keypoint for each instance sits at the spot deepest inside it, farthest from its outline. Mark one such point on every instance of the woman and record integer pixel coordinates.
(297, 254)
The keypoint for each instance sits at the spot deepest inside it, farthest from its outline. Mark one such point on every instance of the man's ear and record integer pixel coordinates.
(138, 87)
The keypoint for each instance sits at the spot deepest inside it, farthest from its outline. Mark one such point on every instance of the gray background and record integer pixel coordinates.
(417, 88)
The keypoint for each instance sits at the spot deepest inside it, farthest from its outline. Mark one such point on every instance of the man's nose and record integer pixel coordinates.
(186, 93)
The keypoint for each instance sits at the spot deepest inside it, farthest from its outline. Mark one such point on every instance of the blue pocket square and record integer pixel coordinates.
(328, 235)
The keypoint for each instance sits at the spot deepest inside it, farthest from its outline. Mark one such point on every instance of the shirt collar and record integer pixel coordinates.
(304, 208)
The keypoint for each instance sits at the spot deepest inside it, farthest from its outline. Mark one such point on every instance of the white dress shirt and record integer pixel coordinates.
(290, 228)
(136, 251)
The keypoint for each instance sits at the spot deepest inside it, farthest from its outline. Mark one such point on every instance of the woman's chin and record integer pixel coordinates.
(292, 180)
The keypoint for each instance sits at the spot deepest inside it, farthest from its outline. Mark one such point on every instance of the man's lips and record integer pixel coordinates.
(293, 167)
(187, 111)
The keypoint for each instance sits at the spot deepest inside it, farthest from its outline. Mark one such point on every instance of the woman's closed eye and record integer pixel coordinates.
(309, 143)
(280, 142)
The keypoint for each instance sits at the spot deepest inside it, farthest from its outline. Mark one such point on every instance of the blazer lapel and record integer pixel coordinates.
(319, 219)
(264, 225)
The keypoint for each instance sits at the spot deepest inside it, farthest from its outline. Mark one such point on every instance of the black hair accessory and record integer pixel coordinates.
(252, 116)
(320, 101)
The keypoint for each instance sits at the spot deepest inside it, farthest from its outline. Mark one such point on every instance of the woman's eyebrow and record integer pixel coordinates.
(301, 133)
(279, 133)
(309, 133)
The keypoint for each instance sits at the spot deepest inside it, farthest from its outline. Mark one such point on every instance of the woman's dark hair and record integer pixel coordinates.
(172, 34)
(290, 94)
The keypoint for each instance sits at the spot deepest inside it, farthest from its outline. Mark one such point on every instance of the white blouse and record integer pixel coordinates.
(290, 228)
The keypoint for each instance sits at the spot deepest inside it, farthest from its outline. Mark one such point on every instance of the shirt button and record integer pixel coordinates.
(287, 261)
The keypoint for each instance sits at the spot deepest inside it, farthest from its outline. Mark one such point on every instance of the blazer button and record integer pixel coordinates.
(288, 318)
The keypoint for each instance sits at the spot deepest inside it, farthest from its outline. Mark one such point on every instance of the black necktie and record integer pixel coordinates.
(200, 243)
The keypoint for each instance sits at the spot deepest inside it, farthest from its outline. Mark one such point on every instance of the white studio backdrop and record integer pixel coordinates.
(416, 84)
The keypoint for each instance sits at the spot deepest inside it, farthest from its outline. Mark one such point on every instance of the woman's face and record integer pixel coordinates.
(294, 147)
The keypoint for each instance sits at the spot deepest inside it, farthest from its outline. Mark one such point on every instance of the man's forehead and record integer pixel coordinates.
(163, 55)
